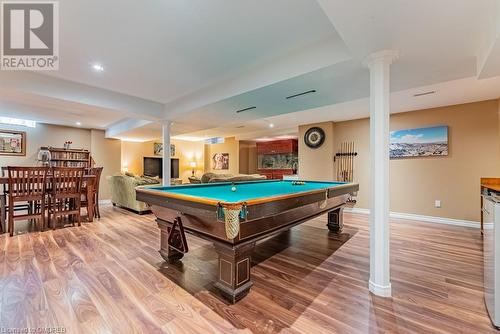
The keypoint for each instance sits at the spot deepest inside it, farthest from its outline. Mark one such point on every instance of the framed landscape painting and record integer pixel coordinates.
(423, 142)
(12, 142)
(158, 149)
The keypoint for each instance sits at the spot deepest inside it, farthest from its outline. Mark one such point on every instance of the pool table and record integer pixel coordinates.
(235, 216)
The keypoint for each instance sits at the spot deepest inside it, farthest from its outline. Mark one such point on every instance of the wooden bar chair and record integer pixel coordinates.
(97, 172)
(65, 194)
(26, 185)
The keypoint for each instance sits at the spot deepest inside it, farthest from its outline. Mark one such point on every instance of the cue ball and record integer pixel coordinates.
(233, 188)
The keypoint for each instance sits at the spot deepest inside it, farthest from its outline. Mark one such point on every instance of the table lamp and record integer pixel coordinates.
(192, 164)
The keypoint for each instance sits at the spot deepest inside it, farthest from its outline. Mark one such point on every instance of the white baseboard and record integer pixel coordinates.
(380, 290)
(358, 211)
(421, 218)
(104, 202)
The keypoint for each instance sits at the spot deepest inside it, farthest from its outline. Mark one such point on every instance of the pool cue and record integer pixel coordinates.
(338, 162)
(343, 161)
(337, 165)
(351, 171)
(344, 172)
(349, 163)
(346, 154)
(346, 148)
(352, 162)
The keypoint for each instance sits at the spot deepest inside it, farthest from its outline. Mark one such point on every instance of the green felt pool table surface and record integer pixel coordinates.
(246, 191)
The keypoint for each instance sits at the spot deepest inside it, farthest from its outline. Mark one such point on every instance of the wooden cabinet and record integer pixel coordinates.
(278, 146)
(274, 153)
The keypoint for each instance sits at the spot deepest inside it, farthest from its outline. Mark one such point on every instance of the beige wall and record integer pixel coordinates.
(187, 151)
(231, 146)
(248, 157)
(417, 182)
(316, 164)
(45, 135)
(133, 154)
(473, 139)
(105, 152)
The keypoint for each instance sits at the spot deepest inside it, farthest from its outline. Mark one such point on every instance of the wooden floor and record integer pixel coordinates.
(107, 277)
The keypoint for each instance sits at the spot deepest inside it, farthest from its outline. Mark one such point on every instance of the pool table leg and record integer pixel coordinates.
(168, 253)
(336, 220)
(234, 270)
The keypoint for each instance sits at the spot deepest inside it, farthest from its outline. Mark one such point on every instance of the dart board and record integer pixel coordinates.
(314, 137)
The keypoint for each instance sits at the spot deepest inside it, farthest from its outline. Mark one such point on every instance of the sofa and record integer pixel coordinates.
(213, 178)
(123, 191)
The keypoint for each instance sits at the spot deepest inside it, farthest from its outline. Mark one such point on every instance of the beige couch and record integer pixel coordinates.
(213, 178)
(123, 191)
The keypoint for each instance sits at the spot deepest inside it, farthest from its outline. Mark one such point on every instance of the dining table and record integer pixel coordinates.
(88, 180)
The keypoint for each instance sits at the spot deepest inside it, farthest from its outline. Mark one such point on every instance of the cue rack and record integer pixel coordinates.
(344, 162)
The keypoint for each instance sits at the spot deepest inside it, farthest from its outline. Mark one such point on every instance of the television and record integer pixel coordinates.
(153, 167)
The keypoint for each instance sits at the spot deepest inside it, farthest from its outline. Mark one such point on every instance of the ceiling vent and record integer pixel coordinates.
(246, 109)
(301, 94)
(425, 93)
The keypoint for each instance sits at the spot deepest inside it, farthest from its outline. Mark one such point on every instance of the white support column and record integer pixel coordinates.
(166, 152)
(379, 64)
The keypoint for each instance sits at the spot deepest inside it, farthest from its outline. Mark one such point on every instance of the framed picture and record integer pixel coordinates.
(423, 142)
(158, 149)
(220, 161)
(12, 142)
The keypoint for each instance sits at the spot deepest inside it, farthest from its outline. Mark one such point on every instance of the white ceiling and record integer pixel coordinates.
(161, 50)
(197, 62)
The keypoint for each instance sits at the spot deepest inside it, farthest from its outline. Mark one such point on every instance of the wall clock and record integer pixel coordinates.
(314, 137)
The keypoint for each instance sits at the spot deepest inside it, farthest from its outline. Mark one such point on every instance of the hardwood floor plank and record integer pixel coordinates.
(107, 277)
(112, 314)
(86, 312)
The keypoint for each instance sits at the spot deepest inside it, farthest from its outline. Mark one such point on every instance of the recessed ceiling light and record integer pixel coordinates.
(98, 67)
(271, 125)
(78, 123)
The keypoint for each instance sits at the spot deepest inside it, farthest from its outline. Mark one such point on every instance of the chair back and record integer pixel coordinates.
(97, 172)
(28, 183)
(67, 181)
(4, 173)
